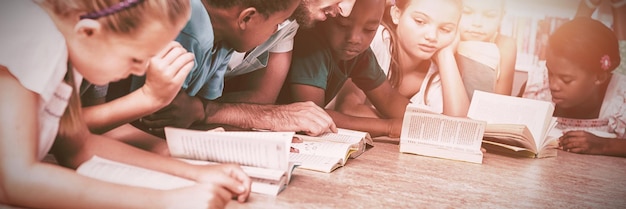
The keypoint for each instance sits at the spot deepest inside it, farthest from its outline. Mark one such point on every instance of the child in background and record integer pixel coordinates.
(416, 49)
(578, 78)
(103, 41)
(586, 8)
(258, 75)
(485, 57)
(338, 49)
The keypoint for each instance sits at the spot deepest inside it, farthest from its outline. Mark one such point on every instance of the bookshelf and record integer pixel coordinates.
(531, 22)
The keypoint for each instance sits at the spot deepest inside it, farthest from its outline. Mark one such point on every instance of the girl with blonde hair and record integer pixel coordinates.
(49, 45)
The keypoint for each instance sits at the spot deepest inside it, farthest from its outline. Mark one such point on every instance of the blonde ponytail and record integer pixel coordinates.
(71, 123)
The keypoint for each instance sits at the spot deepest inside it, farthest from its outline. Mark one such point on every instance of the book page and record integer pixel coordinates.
(505, 149)
(362, 136)
(358, 139)
(315, 162)
(511, 134)
(264, 181)
(342, 136)
(438, 130)
(442, 152)
(328, 149)
(120, 173)
(496, 108)
(549, 141)
(511, 141)
(255, 172)
(256, 149)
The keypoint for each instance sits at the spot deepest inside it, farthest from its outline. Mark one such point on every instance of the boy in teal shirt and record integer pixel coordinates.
(327, 55)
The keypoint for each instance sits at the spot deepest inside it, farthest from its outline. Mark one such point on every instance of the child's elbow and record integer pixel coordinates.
(11, 182)
(346, 108)
(342, 107)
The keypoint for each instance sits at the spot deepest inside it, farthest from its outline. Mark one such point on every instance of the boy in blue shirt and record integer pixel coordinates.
(216, 29)
(252, 107)
(256, 21)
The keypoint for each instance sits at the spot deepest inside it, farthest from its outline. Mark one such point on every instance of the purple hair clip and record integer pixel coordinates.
(605, 62)
(125, 4)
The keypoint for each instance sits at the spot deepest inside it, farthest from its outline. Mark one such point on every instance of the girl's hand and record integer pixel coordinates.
(200, 196)
(394, 129)
(226, 176)
(448, 51)
(582, 142)
(166, 72)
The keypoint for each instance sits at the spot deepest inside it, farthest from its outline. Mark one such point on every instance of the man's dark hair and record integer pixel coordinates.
(265, 7)
(585, 42)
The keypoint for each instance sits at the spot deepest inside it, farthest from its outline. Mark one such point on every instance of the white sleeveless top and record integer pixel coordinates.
(433, 100)
(35, 53)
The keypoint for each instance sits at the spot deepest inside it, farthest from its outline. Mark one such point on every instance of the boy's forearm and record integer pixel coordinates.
(388, 101)
(360, 110)
(374, 126)
(398, 105)
(104, 117)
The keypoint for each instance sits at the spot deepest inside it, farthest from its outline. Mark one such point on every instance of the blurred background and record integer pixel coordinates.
(530, 22)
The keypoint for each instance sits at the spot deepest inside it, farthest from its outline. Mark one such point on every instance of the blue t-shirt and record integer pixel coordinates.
(313, 64)
(206, 78)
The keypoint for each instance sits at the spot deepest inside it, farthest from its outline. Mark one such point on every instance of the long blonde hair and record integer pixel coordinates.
(123, 22)
(128, 20)
(71, 123)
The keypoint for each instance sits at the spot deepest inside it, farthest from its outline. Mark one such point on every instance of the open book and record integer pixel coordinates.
(264, 181)
(515, 125)
(265, 153)
(437, 135)
(329, 151)
(120, 173)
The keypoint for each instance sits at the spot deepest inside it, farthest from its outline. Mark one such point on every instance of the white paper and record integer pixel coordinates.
(315, 162)
(115, 172)
(439, 130)
(437, 135)
(256, 149)
(502, 109)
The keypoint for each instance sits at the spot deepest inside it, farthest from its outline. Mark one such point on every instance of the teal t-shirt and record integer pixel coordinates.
(313, 64)
(206, 78)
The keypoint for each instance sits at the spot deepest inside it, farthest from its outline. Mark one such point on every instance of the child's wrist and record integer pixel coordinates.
(154, 101)
(592, 4)
(391, 130)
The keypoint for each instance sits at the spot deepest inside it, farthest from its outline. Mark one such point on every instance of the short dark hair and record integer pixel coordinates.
(265, 7)
(586, 43)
